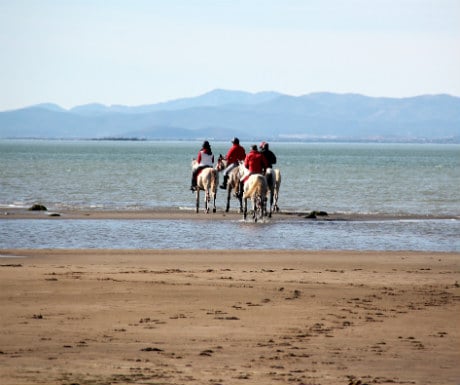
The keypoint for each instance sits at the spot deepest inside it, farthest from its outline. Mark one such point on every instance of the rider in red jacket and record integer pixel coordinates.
(234, 155)
(256, 163)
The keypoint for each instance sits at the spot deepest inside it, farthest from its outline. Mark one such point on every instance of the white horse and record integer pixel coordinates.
(207, 180)
(255, 188)
(232, 183)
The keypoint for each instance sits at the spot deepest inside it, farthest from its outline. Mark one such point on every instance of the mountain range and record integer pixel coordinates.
(222, 114)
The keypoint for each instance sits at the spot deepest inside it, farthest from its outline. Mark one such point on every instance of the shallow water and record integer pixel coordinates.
(395, 180)
(422, 235)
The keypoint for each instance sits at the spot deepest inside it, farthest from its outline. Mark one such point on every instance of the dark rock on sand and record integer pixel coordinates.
(315, 214)
(37, 207)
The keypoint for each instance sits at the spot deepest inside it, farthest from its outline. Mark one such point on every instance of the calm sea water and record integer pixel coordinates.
(394, 179)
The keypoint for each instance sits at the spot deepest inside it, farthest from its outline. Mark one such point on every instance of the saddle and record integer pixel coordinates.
(246, 178)
(200, 169)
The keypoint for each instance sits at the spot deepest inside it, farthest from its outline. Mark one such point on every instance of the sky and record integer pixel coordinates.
(137, 52)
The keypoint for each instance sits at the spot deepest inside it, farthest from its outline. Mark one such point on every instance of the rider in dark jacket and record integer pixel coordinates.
(269, 155)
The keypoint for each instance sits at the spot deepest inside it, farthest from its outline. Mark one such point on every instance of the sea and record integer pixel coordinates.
(413, 188)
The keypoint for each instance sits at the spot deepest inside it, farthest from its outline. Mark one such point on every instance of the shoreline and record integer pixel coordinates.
(190, 214)
(228, 316)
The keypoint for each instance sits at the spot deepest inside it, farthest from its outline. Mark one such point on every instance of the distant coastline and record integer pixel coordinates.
(119, 139)
(453, 140)
(223, 114)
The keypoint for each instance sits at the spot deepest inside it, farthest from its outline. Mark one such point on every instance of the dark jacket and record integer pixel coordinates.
(270, 157)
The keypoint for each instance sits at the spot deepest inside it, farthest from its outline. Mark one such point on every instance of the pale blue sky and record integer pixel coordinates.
(136, 52)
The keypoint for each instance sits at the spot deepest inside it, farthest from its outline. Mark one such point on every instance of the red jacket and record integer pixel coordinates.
(255, 162)
(235, 154)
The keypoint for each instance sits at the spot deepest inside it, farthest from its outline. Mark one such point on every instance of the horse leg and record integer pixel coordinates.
(206, 201)
(213, 189)
(275, 201)
(197, 203)
(237, 195)
(229, 194)
(245, 208)
(277, 191)
(271, 204)
(255, 208)
(214, 195)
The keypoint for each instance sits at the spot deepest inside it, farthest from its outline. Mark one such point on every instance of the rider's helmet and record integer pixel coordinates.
(263, 146)
(235, 140)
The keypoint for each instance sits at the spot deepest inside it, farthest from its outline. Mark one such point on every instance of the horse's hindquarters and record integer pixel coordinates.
(255, 189)
(207, 181)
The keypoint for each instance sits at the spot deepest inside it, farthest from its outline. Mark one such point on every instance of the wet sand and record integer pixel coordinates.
(190, 214)
(228, 317)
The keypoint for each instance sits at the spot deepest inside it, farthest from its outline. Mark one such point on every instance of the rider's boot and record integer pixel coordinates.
(223, 186)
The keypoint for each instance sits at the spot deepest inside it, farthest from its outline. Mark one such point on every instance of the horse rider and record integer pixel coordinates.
(205, 159)
(256, 163)
(234, 155)
(268, 154)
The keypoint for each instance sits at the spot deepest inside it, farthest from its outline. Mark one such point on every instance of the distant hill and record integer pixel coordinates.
(221, 114)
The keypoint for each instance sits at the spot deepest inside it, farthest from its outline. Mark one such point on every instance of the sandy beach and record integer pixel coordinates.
(228, 317)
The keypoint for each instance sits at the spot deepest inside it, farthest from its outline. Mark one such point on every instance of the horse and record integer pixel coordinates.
(255, 188)
(273, 176)
(207, 180)
(232, 183)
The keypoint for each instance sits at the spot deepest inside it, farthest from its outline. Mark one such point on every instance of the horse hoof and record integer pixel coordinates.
(214, 210)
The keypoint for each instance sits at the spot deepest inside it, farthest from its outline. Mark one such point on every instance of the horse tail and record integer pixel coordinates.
(277, 178)
(257, 186)
(214, 181)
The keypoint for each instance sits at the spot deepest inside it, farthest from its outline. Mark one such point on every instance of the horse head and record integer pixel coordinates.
(221, 163)
(194, 163)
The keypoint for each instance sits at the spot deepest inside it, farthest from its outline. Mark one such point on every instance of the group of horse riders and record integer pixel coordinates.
(257, 162)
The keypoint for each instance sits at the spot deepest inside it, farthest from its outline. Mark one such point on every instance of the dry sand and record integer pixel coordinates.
(229, 317)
